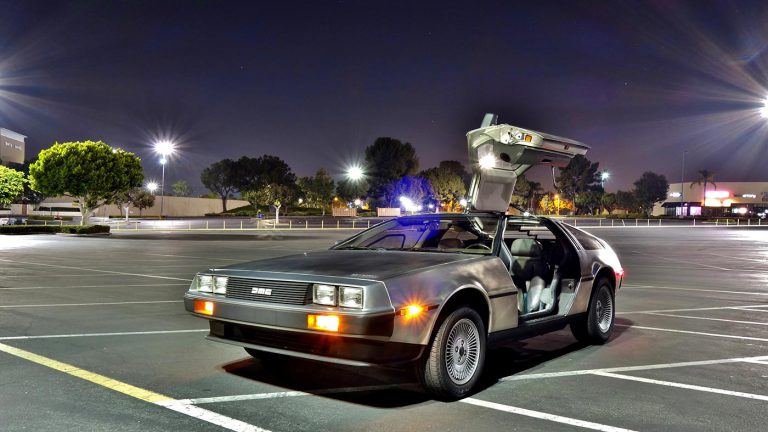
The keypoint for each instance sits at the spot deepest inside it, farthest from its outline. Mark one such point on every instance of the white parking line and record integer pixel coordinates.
(711, 319)
(754, 308)
(738, 258)
(95, 270)
(634, 287)
(77, 335)
(683, 386)
(656, 256)
(544, 416)
(632, 368)
(133, 391)
(742, 307)
(211, 417)
(196, 257)
(762, 362)
(92, 286)
(287, 394)
(695, 333)
(471, 401)
(53, 275)
(88, 304)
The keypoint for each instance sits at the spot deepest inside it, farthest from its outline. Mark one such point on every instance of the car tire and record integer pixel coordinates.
(454, 362)
(596, 327)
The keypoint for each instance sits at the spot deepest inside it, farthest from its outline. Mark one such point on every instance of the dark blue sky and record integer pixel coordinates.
(315, 82)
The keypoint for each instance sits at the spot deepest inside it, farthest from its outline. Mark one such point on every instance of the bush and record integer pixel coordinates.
(53, 229)
(88, 229)
(29, 229)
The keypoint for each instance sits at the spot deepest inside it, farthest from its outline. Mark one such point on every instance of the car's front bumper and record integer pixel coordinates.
(353, 351)
(363, 339)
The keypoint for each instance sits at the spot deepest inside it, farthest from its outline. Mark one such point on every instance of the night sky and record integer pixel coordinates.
(315, 82)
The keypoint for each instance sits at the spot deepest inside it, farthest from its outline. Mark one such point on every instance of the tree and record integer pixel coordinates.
(445, 184)
(457, 168)
(91, 171)
(181, 188)
(387, 160)
(588, 201)
(318, 190)
(138, 198)
(609, 202)
(255, 173)
(580, 175)
(526, 191)
(221, 178)
(350, 190)
(142, 199)
(650, 188)
(273, 194)
(555, 204)
(414, 188)
(705, 177)
(11, 184)
(626, 200)
(29, 195)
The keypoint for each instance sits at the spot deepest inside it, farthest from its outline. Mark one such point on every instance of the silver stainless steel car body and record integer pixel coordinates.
(521, 275)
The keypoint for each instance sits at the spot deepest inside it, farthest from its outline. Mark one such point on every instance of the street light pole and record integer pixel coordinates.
(682, 189)
(165, 149)
(162, 186)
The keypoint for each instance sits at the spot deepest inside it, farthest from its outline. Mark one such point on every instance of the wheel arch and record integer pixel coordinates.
(468, 295)
(606, 272)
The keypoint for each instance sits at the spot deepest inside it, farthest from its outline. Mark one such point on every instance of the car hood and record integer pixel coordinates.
(362, 264)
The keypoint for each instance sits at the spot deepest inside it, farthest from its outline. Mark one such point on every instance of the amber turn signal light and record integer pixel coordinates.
(323, 322)
(411, 311)
(204, 307)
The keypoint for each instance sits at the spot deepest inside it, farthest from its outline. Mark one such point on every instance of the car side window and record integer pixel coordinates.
(587, 241)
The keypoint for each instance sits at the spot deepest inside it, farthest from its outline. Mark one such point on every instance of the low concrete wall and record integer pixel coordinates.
(388, 212)
(172, 206)
(344, 212)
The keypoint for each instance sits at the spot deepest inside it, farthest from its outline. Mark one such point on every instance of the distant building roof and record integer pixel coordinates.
(12, 135)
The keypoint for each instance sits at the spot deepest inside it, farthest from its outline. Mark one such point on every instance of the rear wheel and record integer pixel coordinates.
(456, 355)
(596, 327)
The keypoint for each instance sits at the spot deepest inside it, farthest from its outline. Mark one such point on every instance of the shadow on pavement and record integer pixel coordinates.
(396, 388)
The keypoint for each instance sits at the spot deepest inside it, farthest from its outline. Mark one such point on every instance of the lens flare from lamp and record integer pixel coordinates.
(488, 161)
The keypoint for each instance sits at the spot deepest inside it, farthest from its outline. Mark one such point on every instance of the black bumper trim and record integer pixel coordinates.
(324, 347)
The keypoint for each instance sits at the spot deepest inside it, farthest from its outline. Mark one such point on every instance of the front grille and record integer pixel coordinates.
(283, 292)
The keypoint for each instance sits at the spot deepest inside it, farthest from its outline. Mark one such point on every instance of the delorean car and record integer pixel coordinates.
(430, 290)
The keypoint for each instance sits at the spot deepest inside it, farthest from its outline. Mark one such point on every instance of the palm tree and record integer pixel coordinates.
(705, 177)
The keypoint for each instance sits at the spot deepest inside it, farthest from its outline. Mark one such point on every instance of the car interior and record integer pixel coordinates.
(539, 262)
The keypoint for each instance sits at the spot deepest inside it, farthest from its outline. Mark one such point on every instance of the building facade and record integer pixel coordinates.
(11, 146)
(720, 199)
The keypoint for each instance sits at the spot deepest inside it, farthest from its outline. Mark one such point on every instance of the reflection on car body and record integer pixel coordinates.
(434, 289)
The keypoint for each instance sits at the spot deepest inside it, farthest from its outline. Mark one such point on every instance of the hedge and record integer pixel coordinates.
(53, 229)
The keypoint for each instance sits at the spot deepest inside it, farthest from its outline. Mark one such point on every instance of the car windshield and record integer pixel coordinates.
(449, 234)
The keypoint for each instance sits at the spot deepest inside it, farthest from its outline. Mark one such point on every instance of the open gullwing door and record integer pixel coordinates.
(501, 153)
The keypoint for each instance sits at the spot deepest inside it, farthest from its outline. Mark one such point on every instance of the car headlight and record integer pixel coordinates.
(324, 294)
(220, 284)
(351, 297)
(210, 284)
(205, 283)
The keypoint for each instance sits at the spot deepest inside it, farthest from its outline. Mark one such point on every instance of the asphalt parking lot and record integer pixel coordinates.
(94, 336)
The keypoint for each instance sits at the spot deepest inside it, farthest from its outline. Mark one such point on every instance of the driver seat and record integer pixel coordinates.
(528, 272)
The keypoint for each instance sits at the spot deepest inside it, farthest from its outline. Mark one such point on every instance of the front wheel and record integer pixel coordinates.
(456, 355)
(596, 327)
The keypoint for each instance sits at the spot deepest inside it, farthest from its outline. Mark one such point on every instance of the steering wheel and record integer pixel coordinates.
(478, 246)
